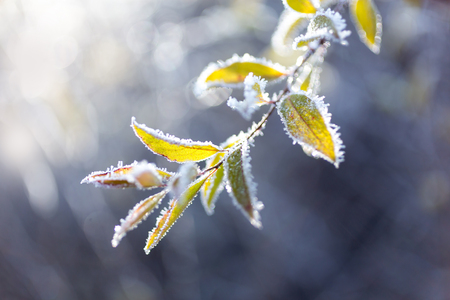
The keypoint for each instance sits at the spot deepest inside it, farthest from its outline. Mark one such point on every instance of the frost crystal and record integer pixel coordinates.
(254, 96)
(325, 24)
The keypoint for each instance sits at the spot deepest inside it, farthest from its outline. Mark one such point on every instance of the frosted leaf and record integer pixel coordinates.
(215, 183)
(325, 24)
(254, 96)
(173, 148)
(307, 122)
(176, 208)
(308, 78)
(140, 175)
(186, 174)
(232, 72)
(367, 20)
(139, 213)
(301, 6)
(289, 27)
(240, 184)
(309, 40)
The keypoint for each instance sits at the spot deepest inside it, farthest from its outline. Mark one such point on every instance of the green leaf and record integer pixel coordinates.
(214, 184)
(173, 148)
(307, 122)
(301, 6)
(289, 27)
(240, 184)
(232, 72)
(174, 211)
(141, 175)
(139, 213)
(367, 20)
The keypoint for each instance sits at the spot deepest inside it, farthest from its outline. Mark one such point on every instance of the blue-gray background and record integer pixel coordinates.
(74, 72)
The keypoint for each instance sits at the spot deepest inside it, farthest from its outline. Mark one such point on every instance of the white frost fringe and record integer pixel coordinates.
(251, 101)
(168, 138)
(202, 85)
(251, 186)
(314, 34)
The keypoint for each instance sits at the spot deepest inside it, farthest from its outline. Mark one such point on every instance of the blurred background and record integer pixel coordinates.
(74, 72)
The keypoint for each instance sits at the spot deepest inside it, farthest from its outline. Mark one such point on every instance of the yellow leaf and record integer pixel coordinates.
(289, 27)
(232, 72)
(240, 186)
(137, 175)
(174, 211)
(136, 215)
(307, 122)
(301, 6)
(173, 148)
(367, 21)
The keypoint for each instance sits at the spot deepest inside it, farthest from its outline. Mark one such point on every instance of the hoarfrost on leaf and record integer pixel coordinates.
(173, 148)
(176, 208)
(215, 183)
(308, 78)
(325, 24)
(140, 175)
(136, 215)
(240, 184)
(307, 122)
(232, 72)
(254, 96)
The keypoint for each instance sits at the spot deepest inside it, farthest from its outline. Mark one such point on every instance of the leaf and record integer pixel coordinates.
(173, 212)
(254, 96)
(367, 21)
(289, 27)
(308, 78)
(301, 6)
(240, 184)
(139, 213)
(141, 175)
(325, 24)
(303, 42)
(232, 72)
(214, 184)
(173, 148)
(307, 122)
